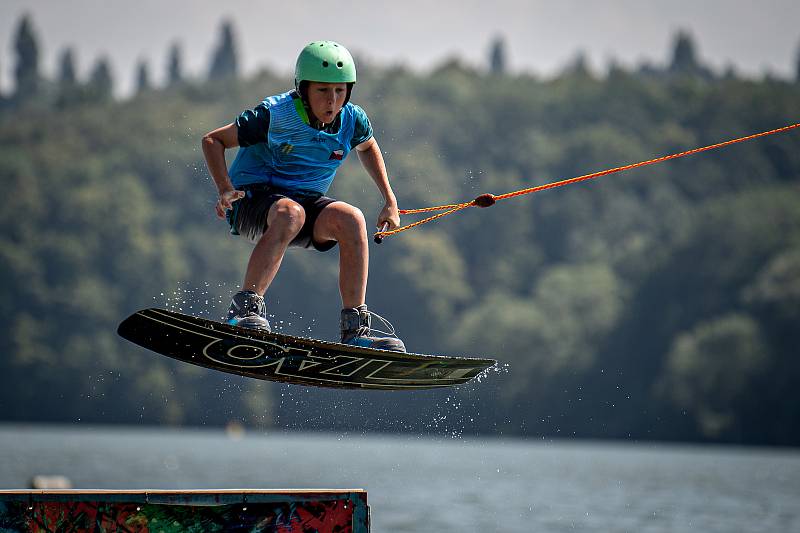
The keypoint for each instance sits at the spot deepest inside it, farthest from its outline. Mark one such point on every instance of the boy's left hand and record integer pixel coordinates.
(390, 215)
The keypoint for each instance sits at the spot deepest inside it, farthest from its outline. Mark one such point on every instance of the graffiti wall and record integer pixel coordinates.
(38, 511)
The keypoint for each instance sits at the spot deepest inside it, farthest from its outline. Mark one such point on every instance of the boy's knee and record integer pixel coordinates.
(287, 215)
(352, 221)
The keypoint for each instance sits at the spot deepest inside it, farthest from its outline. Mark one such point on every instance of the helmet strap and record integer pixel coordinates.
(349, 92)
(302, 90)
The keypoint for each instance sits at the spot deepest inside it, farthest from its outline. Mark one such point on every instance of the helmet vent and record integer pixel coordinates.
(324, 63)
(339, 64)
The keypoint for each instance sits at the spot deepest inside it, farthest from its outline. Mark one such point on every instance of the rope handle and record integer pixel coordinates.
(379, 235)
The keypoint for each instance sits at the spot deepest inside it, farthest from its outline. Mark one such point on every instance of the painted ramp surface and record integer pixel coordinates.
(297, 511)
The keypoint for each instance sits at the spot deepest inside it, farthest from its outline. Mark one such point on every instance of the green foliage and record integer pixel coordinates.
(26, 69)
(175, 66)
(776, 287)
(224, 62)
(436, 271)
(101, 82)
(549, 334)
(711, 369)
(660, 302)
(497, 56)
(143, 83)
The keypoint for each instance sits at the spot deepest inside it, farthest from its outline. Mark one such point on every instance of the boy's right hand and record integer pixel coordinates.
(226, 200)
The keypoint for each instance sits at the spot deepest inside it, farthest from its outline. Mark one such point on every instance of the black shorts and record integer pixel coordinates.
(248, 216)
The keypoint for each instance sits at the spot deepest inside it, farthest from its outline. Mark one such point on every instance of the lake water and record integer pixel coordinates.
(425, 484)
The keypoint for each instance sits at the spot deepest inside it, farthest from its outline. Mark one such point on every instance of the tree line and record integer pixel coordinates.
(68, 89)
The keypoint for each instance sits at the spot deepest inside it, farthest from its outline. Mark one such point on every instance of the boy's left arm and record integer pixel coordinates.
(369, 153)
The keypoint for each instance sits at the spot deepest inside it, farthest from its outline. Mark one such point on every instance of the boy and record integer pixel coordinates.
(274, 193)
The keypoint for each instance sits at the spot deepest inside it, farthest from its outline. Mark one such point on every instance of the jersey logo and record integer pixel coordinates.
(337, 155)
(286, 148)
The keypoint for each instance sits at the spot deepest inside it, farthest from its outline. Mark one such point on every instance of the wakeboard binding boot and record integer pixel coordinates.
(356, 326)
(248, 310)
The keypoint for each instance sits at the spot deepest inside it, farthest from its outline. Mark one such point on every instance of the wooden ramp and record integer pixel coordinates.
(278, 511)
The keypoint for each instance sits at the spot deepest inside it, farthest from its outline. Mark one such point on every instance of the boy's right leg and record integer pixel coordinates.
(284, 221)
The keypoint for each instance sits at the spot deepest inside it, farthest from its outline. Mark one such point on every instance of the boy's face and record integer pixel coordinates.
(326, 99)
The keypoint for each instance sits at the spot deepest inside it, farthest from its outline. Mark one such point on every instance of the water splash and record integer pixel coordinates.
(206, 301)
(497, 368)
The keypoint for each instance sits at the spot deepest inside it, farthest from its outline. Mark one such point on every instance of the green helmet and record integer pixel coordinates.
(326, 62)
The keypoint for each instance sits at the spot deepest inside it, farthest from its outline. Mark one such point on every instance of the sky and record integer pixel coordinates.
(541, 36)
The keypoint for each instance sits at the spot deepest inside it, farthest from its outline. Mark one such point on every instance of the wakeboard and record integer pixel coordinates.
(288, 359)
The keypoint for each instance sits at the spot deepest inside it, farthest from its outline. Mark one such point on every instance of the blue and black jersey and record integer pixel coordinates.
(278, 147)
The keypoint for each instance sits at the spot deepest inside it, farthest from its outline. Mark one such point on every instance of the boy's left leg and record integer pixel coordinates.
(345, 224)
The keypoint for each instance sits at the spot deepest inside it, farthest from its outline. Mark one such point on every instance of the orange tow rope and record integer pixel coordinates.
(487, 200)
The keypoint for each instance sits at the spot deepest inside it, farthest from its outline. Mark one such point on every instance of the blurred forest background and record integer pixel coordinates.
(660, 303)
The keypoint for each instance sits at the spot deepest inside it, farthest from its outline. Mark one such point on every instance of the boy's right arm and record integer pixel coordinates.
(214, 145)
